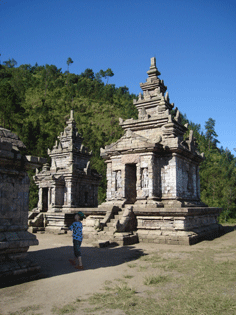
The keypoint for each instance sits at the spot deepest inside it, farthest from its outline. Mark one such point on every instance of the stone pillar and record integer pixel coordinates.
(150, 177)
(139, 182)
(123, 180)
(40, 201)
(198, 182)
(53, 196)
(168, 177)
(65, 194)
(49, 197)
(113, 184)
(109, 180)
(69, 194)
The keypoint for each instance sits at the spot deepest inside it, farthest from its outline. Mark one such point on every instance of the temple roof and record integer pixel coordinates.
(10, 137)
(131, 142)
(69, 140)
(157, 126)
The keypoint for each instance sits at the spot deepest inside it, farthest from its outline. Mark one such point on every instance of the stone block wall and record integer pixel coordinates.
(187, 179)
(187, 229)
(14, 206)
(168, 177)
(14, 196)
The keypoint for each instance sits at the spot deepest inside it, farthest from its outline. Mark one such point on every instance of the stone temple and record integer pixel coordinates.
(153, 171)
(67, 184)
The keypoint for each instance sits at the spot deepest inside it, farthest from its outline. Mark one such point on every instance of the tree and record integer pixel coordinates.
(10, 104)
(88, 73)
(106, 74)
(211, 135)
(10, 63)
(98, 77)
(69, 61)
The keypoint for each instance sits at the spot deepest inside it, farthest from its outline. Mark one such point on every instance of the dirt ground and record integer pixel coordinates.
(60, 283)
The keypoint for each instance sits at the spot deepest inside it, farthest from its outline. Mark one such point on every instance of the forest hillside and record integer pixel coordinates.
(35, 102)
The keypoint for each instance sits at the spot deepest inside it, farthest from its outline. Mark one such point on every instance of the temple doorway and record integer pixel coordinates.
(45, 200)
(130, 183)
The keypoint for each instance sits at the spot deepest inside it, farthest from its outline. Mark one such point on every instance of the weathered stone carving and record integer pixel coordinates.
(145, 179)
(118, 180)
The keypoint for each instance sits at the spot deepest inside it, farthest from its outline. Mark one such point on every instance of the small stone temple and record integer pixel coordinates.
(153, 174)
(14, 206)
(66, 185)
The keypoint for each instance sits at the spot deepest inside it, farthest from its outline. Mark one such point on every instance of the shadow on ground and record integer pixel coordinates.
(54, 261)
(228, 229)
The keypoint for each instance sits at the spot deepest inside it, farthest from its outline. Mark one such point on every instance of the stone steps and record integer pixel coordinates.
(110, 226)
(102, 239)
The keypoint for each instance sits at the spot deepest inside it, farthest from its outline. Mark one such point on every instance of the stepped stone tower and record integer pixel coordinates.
(156, 171)
(152, 164)
(68, 184)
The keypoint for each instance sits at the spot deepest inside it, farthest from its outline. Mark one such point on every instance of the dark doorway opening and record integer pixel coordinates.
(130, 183)
(45, 200)
(85, 198)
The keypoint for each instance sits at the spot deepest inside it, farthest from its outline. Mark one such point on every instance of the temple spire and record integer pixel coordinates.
(72, 114)
(153, 71)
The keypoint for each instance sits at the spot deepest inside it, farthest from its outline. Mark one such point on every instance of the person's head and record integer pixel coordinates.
(79, 216)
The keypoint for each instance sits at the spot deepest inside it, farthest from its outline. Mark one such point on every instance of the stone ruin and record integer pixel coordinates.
(14, 206)
(65, 186)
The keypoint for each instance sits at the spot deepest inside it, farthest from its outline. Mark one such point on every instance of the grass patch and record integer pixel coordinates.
(70, 308)
(130, 265)
(155, 280)
(152, 258)
(27, 310)
(120, 297)
(119, 280)
(169, 265)
(128, 276)
(142, 268)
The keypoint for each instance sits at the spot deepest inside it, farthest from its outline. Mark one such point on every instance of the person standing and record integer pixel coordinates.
(77, 228)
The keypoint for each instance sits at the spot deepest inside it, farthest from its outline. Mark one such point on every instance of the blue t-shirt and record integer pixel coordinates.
(77, 227)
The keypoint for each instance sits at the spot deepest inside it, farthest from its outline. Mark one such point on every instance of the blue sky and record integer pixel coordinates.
(194, 42)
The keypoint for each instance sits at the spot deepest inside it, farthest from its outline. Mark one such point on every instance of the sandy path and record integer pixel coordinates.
(62, 283)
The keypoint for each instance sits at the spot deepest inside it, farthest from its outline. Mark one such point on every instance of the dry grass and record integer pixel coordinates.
(196, 283)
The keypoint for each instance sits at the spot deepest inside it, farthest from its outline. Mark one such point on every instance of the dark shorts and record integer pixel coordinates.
(77, 248)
